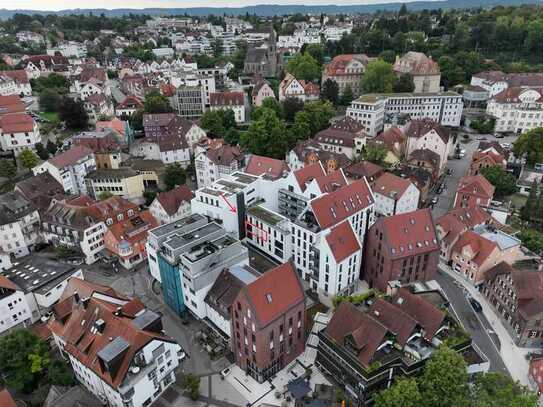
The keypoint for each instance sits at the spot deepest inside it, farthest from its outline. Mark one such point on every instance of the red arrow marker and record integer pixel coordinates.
(232, 208)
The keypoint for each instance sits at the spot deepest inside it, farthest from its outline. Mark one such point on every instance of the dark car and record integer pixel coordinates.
(476, 305)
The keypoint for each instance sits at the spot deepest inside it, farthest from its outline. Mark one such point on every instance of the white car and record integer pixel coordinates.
(225, 372)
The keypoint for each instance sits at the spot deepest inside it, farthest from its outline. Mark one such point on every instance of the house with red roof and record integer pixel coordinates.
(347, 71)
(171, 205)
(18, 131)
(486, 158)
(20, 82)
(346, 136)
(363, 348)
(363, 169)
(270, 168)
(261, 91)
(70, 168)
(473, 190)
(401, 248)
(130, 105)
(305, 91)
(517, 298)
(126, 239)
(112, 343)
(423, 70)
(268, 323)
(394, 195)
(92, 81)
(426, 134)
(232, 100)
(216, 161)
(477, 251)
(393, 140)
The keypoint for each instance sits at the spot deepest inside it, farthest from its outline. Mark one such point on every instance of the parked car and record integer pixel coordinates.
(481, 138)
(476, 305)
(450, 171)
(225, 372)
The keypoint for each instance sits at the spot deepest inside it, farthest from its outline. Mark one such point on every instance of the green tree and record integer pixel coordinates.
(191, 383)
(291, 106)
(504, 182)
(388, 56)
(73, 114)
(49, 100)
(231, 136)
(266, 136)
(28, 159)
(405, 393)
(530, 208)
(273, 104)
(531, 145)
(304, 67)
(53, 81)
(498, 390)
(217, 48)
(404, 84)
(174, 175)
(532, 239)
(320, 112)
(24, 360)
(330, 91)
(378, 78)
(51, 147)
(347, 96)
(301, 128)
(102, 196)
(8, 168)
(375, 154)
(445, 378)
(316, 51)
(156, 102)
(42, 151)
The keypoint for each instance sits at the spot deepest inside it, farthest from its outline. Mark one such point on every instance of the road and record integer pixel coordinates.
(475, 324)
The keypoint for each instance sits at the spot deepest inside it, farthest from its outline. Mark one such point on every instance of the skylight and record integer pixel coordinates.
(269, 298)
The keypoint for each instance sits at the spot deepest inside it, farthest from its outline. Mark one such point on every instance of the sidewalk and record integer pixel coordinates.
(513, 357)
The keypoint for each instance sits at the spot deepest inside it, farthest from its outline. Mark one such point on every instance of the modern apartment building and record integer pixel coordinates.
(19, 224)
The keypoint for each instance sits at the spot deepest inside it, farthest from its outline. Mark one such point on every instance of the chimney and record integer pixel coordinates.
(118, 312)
(85, 302)
(100, 325)
(76, 297)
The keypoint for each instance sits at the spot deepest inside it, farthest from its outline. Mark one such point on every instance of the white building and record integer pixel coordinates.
(394, 195)
(16, 83)
(70, 168)
(32, 285)
(495, 82)
(290, 87)
(429, 135)
(19, 224)
(163, 52)
(69, 49)
(215, 163)
(172, 205)
(131, 361)
(235, 101)
(444, 108)
(18, 132)
(516, 109)
(298, 39)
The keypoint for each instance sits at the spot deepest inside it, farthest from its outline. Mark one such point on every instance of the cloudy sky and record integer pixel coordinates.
(63, 4)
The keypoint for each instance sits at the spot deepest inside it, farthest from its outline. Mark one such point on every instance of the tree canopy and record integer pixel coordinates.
(330, 91)
(217, 122)
(28, 158)
(504, 182)
(73, 113)
(304, 67)
(378, 78)
(531, 145)
(266, 135)
(174, 175)
(156, 102)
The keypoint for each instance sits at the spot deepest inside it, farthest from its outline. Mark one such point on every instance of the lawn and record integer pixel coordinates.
(517, 200)
(51, 116)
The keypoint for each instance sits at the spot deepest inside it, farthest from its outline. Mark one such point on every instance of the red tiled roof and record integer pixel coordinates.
(11, 104)
(410, 233)
(6, 400)
(363, 169)
(133, 230)
(331, 181)
(338, 65)
(480, 246)
(366, 332)
(529, 289)
(76, 329)
(348, 124)
(396, 320)
(225, 154)
(226, 98)
(334, 207)
(19, 76)
(427, 315)
(420, 127)
(497, 159)
(476, 185)
(83, 288)
(95, 73)
(391, 186)
(512, 94)
(342, 241)
(171, 200)
(416, 63)
(459, 220)
(308, 173)
(270, 167)
(274, 292)
(17, 123)
(393, 138)
(7, 283)
(70, 157)
(130, 101)
(116, 124)
(337, 137)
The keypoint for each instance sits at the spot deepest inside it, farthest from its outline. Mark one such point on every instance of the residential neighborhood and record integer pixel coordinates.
(271, 205)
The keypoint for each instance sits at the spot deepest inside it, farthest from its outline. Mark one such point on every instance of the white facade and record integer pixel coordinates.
(19, 236)
(14, 310)
(19, 141)
(388, 206)
(71, 177)
(433, 142)
(517, 115)
(444, 108)
(239, 111)
(207, 172)
(162, 217)
(70, 49)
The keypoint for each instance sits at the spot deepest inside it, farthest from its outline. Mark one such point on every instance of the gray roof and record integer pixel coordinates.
(503, 240)
(14, 206)
(77, 396)
(112, 173)
(256, 55)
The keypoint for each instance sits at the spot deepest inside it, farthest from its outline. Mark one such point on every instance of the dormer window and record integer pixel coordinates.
(120, 217)
(109, 221)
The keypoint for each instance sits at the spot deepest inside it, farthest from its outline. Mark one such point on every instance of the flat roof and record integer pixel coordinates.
(177, 241)
(172, 227)
(38, 274)
(375, 97)
(265, 215)
(503, 240)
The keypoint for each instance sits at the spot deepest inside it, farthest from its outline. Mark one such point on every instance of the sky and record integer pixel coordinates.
(54, 5)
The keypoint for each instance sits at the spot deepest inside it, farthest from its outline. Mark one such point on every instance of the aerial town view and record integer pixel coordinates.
(237, 204)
